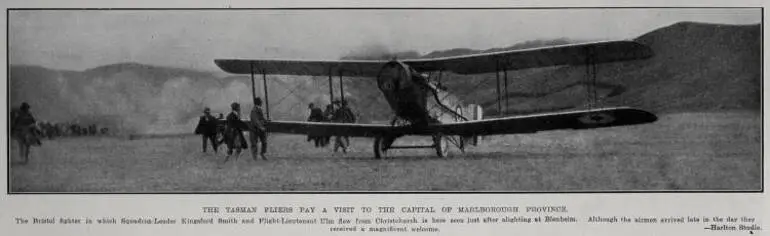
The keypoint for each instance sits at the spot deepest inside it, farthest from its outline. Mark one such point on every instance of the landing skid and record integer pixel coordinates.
(440, 144)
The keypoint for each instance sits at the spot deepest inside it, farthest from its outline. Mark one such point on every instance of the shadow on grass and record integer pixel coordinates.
(408, 158)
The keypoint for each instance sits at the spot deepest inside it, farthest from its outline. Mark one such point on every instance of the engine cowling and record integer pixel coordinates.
(392, 76)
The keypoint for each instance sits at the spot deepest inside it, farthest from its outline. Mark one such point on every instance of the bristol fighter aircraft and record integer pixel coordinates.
(418, 110)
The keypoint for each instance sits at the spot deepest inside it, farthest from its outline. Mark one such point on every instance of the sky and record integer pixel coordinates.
(83, 39)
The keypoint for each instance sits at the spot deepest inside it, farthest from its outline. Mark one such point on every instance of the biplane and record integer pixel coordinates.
(419, 111)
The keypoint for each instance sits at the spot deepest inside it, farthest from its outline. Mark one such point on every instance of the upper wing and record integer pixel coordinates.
(586, 119)
(362, 68)
(572, 54)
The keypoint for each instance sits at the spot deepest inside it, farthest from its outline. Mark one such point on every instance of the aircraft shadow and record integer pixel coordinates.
(404, 158)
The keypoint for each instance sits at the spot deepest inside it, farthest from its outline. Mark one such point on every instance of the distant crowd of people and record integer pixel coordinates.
(52, 130)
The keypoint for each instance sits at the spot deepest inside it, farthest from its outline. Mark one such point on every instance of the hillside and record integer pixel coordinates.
(696, 67)
(701, 67)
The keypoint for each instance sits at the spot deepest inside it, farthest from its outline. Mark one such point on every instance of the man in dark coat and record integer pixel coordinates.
(316, 115)
(343, 114)
(207, 128)
(24, 130)
(234, 129)
(328, 117)
(258, 131)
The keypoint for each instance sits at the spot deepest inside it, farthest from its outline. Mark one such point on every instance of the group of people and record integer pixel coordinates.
(232, 128)
(339, 112)
(52, 130)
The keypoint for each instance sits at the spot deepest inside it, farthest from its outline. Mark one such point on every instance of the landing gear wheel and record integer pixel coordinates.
(442, 145)
(379, 148)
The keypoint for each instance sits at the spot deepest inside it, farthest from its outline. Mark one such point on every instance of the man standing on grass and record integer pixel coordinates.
(343, 114)
(24, 130)
(258, 131)
(234, 129)
(207, 128)
(316, 115)
(328, 116)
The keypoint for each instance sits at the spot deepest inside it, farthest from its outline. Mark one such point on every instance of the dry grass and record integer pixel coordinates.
(694, 151)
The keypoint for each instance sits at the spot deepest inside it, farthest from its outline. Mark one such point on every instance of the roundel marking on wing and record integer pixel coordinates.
(596, 118)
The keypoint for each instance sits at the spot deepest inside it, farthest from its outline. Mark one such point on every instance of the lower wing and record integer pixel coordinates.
(586, 119)
(329, 129)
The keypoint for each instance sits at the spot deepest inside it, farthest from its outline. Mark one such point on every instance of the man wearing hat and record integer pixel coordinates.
(258, 131)
(316, 115)
(234, 129)
(207, 128)
(24, 129)
(343, 114)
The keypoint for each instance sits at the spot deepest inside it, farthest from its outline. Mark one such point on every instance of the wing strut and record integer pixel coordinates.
(267, 100)
(331, 87)
(342, 88)
(264, 86)
(253, 88)
(591, 72)
(504, 93)
(497, 78)
(505, 89)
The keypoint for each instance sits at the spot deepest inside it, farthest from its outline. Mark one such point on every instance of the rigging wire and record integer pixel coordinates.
(291, 92)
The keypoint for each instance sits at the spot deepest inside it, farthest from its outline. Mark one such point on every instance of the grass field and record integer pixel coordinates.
(689, 151)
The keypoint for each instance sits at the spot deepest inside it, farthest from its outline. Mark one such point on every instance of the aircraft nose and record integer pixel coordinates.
(646, 117)
(389, 77)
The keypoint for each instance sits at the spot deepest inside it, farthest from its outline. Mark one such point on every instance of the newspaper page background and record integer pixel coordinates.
(581, 206)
